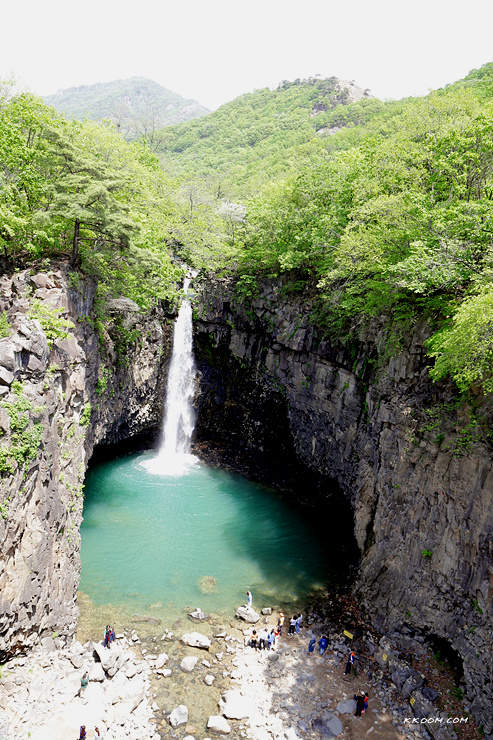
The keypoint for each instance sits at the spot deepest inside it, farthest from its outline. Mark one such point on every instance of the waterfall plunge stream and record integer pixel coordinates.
(173, 457)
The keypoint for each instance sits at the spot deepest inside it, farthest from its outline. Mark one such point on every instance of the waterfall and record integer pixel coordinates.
(173, 456)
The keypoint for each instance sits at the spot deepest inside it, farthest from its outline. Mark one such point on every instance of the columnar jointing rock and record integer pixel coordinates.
(417, 473)
(59, 397)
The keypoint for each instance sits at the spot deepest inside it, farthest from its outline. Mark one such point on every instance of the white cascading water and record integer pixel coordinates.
(173, 456)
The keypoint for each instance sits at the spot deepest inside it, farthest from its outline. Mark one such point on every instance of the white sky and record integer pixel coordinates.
(214, 50)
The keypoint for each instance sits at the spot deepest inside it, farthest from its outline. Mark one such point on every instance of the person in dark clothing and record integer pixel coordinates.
(82, 734)
(311, 645)
(360, 701)
(349, 664)
(323, 643)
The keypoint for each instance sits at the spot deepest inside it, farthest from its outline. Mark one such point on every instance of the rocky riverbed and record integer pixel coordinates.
(202, 680)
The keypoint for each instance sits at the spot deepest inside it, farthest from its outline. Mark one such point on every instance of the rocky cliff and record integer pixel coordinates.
(64, 388)
(414, 461)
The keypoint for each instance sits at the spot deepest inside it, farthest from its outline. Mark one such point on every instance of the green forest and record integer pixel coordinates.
(370, 208)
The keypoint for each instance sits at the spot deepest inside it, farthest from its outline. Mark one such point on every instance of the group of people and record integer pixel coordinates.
(295, 624)
(264, 640)
(83, 733)
(323, 644)
(109, 636)
(361, 699)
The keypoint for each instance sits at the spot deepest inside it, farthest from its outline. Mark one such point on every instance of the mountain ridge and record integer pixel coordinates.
(134, 104)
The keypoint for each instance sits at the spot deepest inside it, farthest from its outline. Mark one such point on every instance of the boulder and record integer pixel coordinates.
(161, 660)
(346, 707)
(111, 659)
(414, 681)
(96, 672)
(6, 377)
(217, 725)
(178, 716)
(195, 639)
(234, 706)
(188, 663)
(209, 679)
(328, 725)
(199, 615)
(248, 614)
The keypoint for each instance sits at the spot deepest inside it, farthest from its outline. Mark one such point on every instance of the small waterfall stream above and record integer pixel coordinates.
(173, 456)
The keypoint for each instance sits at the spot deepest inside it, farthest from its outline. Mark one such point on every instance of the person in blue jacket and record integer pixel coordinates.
(311, 645)
(323, 643)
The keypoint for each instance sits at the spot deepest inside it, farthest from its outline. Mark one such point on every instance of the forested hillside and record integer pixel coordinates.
(258, 136)
(138, 107)
(375, 209)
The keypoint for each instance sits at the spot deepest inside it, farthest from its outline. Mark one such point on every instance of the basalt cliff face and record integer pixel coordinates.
(59, 398)
(411, 460)
(412, 463)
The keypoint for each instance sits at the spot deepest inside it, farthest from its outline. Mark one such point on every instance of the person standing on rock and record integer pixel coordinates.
(299, 620)
(83, 683)
(311, 645)
(263, 638)
(82, 733)
(271, 639)
(249, 598)
(280, 622)
(107, 636)
(292, 625)
(323, 643)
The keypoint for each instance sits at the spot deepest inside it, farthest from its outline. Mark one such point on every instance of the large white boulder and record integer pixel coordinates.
(195, 639)
(234, 706)
(178, 716)
(248, 614)
(188, 663)
(217, 725)
(161, 660)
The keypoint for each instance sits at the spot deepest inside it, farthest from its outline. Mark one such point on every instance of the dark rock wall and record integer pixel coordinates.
(56, 404)
(415, 466)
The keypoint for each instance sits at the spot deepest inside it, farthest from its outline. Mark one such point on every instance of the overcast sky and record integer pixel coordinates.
(214, 50)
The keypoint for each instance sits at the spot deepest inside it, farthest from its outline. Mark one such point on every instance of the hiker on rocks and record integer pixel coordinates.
(263, 638)
(82, 733)
(292, 625)
(349, 664)
(249, 598)
(323, 644)
(83, 683)
(299, 620)
(254, 639)
(311, 645)
(360, 701)
(280, 622)
(271, 640)
(109, 636)
(365, 704)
